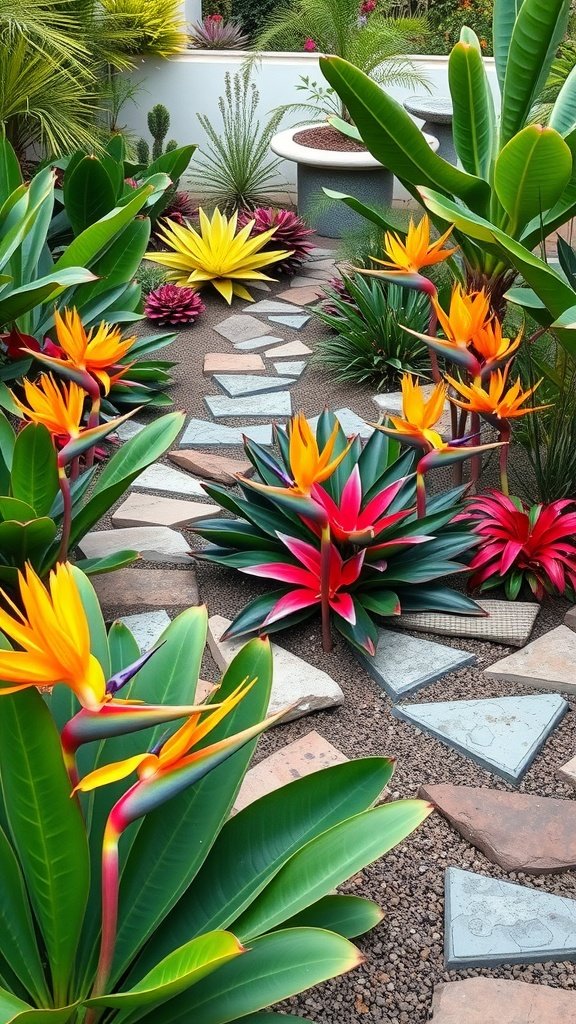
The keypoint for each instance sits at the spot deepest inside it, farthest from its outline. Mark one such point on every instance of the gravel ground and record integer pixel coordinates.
(404, 955)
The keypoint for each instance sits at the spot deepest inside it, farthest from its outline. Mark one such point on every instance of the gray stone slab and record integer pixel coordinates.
(507, 622)
(273, 306)
(202, 432)
(147, 627)
(404, 664)
(318, 253)
(295, 681)
(163, 478)
(501, 734)
(294, 369)
(154, 543)
(548, 663)
(295, 322)
(489, 922)
(301, 281)
(240, 327)
(235, 384)
(129, 429)
(143, 509)
(254, 343)
(570, 617)
(350, 423)
(278, 403)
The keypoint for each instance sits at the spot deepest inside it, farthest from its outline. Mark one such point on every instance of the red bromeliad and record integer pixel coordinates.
(521, 544)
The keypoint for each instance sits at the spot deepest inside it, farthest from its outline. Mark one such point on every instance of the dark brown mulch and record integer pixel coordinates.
(327, 137)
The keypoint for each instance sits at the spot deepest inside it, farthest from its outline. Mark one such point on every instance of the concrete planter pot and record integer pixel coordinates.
(357, 174)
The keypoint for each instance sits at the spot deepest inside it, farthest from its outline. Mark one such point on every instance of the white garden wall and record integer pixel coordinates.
(193, 81)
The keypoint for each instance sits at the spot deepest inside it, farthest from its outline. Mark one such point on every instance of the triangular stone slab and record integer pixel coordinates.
(153, 543)
(295, 322)
(278, 403)
(507, 622)
(501, 734)
(548, 663)
(203, 432)
(246, 384)
(567, 772)
(290, 349)
(153, 510)
(489, 922)
(233, 362)
(520, 832)
(241, 328)
(403, 664)
(163, 478)
(255, 343)
(220, 468)
(305, 294)
(294, 369)
(500, 1001)
(295, 681)
(273, 306)
(147, 627)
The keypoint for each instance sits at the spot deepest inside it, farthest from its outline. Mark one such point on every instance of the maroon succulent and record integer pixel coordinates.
(170, 305)
(338, 285)
(291, 233)
(179, 208)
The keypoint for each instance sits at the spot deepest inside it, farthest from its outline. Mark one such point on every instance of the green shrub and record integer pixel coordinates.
(446, 18)
(253, 14)
(223, 7)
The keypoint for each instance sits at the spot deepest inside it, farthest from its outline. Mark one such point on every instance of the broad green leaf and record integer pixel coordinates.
(34, 468)
(180, 970)
(123, 646)
(22, 299)
(10, 174)
(117, 266)
(563, 114)
(504, 17)
(347, 915)
(7, 441)
(14, 508)
(567, 319)
(46, 826)
(10, 1005)
(538, 31)
(88, 193)
(58, 1015)
(18, 943)
(23, 542)
(173, 163)
(389, 133)
(328, 860)
(108, 563)
(96, 624)
(473, 122)
(531, 173)
(437, 599)
(94, 240)
(276, 967)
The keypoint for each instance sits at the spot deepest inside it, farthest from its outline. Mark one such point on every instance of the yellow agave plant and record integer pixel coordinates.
(217, 254)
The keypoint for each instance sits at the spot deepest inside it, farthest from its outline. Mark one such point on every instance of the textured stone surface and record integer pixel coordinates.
(289, 350)
(273, 306)
(567, 773)
(404, 664)
(548, 662)
(152, 510)
(489, 922)
(233, 362)
(570, 618)
(241, 328)
(507, 622)
(154, 543)
(255, 343)
(129, 429)
(146, 588)
(147, 627)
(304, 281)
(203, 432)
(499, 1001)
(525, 833)
(294, 681)
(163, 478)
(220, 468)
(501, 734)
(245, 384)
(278, 403)
(304, 294)
(294, 761)
(294, 369)
(350, 423)
(295, 322)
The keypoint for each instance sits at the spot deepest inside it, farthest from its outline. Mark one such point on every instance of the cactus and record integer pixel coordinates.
(158, 125)
(143, 152)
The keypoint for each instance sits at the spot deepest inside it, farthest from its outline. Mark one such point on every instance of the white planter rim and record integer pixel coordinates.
(283, 145)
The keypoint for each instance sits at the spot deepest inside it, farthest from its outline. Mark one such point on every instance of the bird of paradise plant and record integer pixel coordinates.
(170, 916)
(354, 542)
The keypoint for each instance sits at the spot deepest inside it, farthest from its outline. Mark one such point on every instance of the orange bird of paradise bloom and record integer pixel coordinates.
(59, 408)
(411, 254)
(495, 400)
(96, 352)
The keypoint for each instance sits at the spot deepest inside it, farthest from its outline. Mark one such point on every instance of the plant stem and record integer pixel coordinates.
(110, 879)
(420, 494)
(505, 437)
(66, 515)
(476, 464)
(325, 587)
(93, 421)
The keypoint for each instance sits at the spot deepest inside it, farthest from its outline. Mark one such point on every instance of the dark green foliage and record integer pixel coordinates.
(158, 126)
(446, 18)
(253, 14)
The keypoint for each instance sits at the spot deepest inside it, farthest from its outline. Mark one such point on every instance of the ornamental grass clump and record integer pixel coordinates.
(337, 527)
(150, 899)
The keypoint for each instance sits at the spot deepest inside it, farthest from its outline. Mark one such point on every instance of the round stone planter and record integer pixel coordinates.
(357, 174)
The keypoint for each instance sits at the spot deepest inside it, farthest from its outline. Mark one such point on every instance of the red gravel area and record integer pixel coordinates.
(327, 137)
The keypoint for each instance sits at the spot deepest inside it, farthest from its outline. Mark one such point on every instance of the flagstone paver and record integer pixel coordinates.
(295, 322)
(154, 543)
(507, 622)
(144, 589)
(291, 348)
(500, 1001)
(567, 773)
(295, 681)
(490, 922)
(350, 423)
(501, 734)
(245, 384)
(241, 327)
(404, 664)
(570, 618)
(318, 252)
(307, 281)
(320, 273)
(129, 429)
(304, 294)
(233, 362)
(304, 756)
(203, 432)
(256, 343)
(294, 369)
(147, 627)
(328, 263)
(279, 403)
(532, 834)
(152, 510)
(273, 306)
(220, 468)
(549, 662)
(163, 478)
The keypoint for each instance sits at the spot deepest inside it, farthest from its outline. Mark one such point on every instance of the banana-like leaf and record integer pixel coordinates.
(94, 240)
(123, 646)
(10, 173)
(347, 129)
(504, 17)
(531, 174)
(390, 134)
(473, 122)
(347, 915)
(107, 563)
(537, 33)
(58, 1015)
(563, 115)
(89, 192)
(567, 319)
(18, 943)
(35, 469)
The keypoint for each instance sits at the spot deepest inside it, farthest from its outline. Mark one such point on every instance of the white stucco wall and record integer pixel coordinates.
(193, 81)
